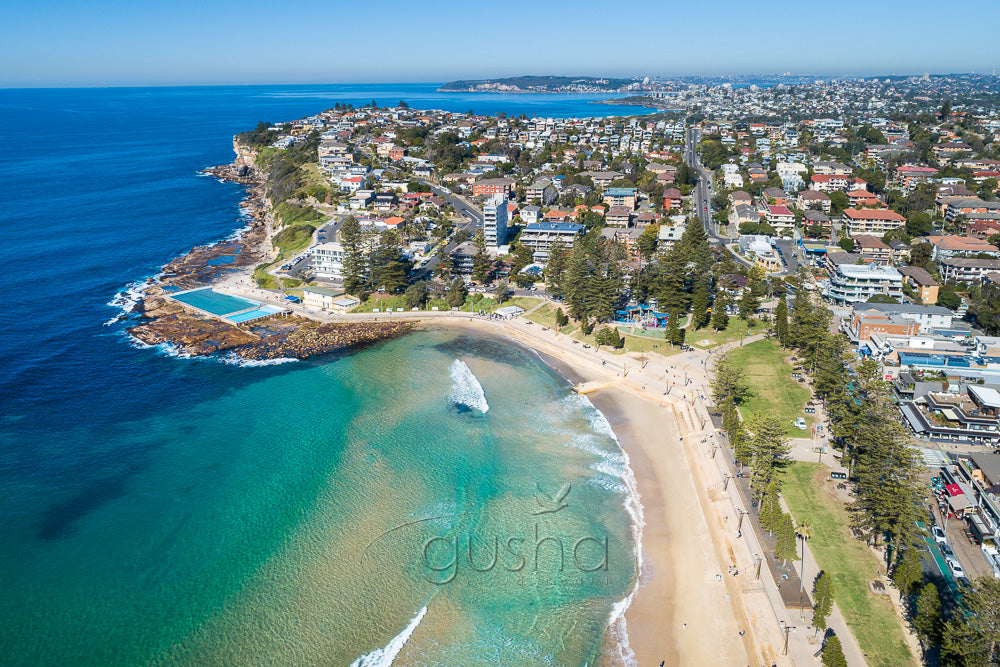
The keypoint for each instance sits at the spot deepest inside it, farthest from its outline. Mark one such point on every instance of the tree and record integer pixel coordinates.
(561, 318)
(390, 270)
(457, 293)
(781, 321)
(927, 620)
(609, 336)
(833, 653)
(699, 305)
(906, 575)
(847, 244)
(838, 203)
(720, 318)
(823, 597)
(585, 326)
(770, 507)
(555, 270)
(748, 305)
(784, 545)
(729, 383)
(501, 292)
(416, 294)
(674, 333)
(975, 636)
(769, 445)
(353, 264)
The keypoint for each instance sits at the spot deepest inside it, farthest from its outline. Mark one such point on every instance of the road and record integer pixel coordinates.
(703, 188)
(473, 219)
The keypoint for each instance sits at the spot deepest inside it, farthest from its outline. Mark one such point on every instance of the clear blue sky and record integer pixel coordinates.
(113, 42)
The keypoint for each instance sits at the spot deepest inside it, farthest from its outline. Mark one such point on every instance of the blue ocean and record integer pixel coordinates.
(438, 499)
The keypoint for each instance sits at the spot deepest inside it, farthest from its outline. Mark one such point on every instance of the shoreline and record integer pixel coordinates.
(677, 555)
(641, 626)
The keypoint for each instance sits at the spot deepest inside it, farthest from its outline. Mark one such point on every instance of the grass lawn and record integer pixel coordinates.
(775, 390)
(737, 329)
(870, 617)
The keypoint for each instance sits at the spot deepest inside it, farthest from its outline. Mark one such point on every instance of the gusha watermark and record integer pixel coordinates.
(443, 556)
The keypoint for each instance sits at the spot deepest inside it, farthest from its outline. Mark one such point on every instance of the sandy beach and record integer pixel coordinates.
(686, 609)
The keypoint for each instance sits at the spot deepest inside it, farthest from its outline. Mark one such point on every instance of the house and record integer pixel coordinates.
(872, 250)
(831, 169)
(950, 246)
(871, 221)
(812, 199)
(746, 214)
(972, 208)
(462, 258)
(851, 283)
(328, 299)
(425, 170)
(385, 201)
(644, 219)
(780, 217)
(922, 283)
(668, 235)
(739, 197)
(759, 247)
(618, 216)
(832, 182)
(541, 191)
(863, 198)
(493, 186)
(967, 270)
(620, 197)
(672, 199)
(777, 196)
(530, 214)
(812, 219)
(361, 199)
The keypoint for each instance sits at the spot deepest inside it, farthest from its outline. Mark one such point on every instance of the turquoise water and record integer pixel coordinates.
(276, 535)
(168, 511)
(214, 302)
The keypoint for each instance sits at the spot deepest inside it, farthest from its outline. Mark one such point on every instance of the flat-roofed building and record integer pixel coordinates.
(875, 221)
(851, 283)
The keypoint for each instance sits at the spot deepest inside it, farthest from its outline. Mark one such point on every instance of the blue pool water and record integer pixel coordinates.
(214, 302)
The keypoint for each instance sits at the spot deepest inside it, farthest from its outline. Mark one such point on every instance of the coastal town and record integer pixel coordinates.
(811, 270)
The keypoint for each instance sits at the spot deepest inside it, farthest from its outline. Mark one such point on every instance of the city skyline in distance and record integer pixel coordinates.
(113, 43)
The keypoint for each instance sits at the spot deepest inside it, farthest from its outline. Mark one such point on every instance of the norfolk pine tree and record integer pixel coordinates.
(823, 598)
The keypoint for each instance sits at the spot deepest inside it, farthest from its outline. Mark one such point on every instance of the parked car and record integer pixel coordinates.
(938, 534)
(800, 423)
(955, 567)
(946, 550)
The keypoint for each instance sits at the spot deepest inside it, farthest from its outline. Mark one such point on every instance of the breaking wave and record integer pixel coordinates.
(466, 391)
(383, 657)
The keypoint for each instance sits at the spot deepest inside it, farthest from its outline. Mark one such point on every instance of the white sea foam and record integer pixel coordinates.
(383, 657)
(633, 505)
(129, 298)
(234, 359)
(467, 391)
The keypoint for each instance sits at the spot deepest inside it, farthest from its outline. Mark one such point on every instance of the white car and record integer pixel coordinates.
(800, 423)
(938, 534)
(955, 567)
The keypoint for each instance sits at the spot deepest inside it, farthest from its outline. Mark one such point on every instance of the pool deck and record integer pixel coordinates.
(230, 317)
